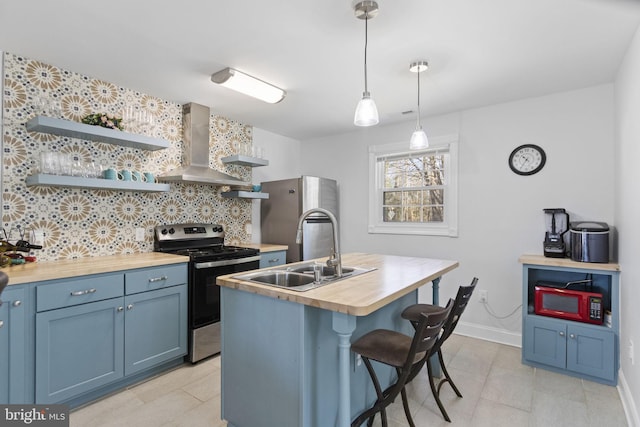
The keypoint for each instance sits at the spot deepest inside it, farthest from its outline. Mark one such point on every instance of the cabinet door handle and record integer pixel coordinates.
(572, 336)
(120, 309)
(130, 306)
(158, 279)
(272, 260)
(17, 303)
(561, 333)
(1, 323)
(85, 292)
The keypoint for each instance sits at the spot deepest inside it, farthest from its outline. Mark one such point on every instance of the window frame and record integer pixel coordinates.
(449, 227)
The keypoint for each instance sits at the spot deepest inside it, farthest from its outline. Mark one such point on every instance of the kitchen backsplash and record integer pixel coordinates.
(78, 222)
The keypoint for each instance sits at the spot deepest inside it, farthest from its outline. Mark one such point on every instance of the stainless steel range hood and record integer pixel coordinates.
(195, 161)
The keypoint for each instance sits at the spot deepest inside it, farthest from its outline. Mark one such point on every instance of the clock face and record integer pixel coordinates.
(527, 159)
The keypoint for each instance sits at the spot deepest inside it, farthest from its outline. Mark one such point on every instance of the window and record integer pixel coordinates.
(414, 192)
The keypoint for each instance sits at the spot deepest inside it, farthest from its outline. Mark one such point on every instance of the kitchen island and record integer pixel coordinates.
(286, 356)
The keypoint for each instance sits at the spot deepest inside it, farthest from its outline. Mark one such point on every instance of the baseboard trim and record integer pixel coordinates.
(630, 410)
(488, 333)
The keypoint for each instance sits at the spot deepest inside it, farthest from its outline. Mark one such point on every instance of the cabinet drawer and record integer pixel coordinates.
(148, 279)
(69, 292)
(272, 259)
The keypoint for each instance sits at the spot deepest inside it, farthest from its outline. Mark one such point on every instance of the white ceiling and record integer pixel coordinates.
(480, 52)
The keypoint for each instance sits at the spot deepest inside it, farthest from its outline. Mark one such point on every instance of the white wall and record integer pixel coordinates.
(500, 213)
(627, 97)
(284, 162)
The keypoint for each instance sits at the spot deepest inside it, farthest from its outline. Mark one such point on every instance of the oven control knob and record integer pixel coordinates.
(219, 229)
(171, 230)
(163, 231)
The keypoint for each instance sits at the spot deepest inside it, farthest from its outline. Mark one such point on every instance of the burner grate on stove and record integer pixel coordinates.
(215, 252)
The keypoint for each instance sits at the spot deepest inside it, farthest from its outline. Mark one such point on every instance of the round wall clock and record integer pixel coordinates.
(527, 159)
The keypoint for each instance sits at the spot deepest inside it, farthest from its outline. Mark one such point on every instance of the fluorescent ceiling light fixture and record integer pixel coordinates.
(418, 137)
(244, 83)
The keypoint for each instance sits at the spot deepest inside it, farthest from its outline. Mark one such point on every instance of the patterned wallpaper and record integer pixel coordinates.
(79, 222)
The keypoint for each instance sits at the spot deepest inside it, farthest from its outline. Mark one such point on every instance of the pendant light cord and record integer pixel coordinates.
(418, 73)
(366, 30)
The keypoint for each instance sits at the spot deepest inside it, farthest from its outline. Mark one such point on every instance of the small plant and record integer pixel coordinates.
(103, 119)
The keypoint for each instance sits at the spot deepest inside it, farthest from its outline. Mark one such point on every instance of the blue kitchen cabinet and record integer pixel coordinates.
(273, 259)
(587, 350)
(579, 349)
(96, 334)
(78, 349)
(545, 341)
(13, 346)
(156, 328)
(592, 351)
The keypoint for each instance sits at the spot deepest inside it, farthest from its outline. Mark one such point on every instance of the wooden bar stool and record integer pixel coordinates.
(415, 312)
(400, 351)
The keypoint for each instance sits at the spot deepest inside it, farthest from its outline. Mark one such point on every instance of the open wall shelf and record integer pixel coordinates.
(62, 127)
(95, 183)
(245, 195)
(239, 159)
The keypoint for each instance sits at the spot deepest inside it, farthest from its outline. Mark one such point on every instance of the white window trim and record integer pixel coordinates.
(449, 227)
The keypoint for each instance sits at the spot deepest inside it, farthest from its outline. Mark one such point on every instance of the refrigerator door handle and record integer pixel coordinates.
(317, 220)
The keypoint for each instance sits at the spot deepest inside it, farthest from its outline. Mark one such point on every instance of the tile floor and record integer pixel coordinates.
(498, 391)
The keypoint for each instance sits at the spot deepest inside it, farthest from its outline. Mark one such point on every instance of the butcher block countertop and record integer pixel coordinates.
(393, 277)
(566, 262)
(51, 270)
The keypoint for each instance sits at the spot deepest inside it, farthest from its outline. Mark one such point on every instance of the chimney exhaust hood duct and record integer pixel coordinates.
(195, 162)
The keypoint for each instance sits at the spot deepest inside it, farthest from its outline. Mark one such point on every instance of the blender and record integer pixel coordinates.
(557, 223)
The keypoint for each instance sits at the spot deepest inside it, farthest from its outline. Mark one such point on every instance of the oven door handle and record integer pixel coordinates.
(200, 265)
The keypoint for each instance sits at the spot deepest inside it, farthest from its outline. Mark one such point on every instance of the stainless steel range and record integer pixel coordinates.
(209, 258)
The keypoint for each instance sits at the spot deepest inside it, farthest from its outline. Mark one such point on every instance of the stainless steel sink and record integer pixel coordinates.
(300, 277)
(285, 279)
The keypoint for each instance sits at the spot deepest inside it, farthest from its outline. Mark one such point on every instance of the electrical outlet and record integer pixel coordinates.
(38, 237)
(484, 297)
(631, 352)
(139, 234)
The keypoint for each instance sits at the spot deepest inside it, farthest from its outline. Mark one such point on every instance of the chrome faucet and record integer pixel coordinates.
(335, 259)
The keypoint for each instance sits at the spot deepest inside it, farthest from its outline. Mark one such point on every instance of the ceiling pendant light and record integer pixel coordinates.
(419, 137)
(366, 111)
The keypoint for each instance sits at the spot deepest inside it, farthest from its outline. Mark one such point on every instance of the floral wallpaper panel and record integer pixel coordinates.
(77, 222)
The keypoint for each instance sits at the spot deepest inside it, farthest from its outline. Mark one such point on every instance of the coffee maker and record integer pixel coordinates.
(557, 224)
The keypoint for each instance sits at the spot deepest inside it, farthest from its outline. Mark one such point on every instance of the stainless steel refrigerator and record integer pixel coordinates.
(288, 199)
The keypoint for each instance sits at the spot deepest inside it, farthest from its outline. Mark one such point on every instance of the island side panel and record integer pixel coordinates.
(280, 361)
(261, 360)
